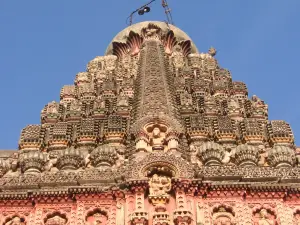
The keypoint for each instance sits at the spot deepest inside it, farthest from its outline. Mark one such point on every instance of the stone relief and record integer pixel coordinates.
(16, 221)
(263, 217)
(159, 185)
(96, 218)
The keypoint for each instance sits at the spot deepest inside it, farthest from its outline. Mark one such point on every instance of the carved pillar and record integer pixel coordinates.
(182, 214)
(139, 216)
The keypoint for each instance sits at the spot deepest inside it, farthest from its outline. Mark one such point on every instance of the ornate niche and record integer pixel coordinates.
(157, 137)
(15, 220)
(223, 215)
(264, 216)
(96, 217)
(56, 219)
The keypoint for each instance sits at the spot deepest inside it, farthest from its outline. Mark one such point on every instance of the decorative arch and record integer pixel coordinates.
(264, 213)
(223, 214)
(56, 218)
(96, 216)
(16, 219)
(176, 166)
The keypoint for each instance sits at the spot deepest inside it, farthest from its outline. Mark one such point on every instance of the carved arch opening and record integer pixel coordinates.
(96, 217)
(15, 220)
(223, 215)
(56, 218)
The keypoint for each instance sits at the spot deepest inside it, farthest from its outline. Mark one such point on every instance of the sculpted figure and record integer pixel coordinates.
(259, 105)
(15, 221)
(120, 214)
(264, 218)
(158, 139)
(200, 215)
(122, 100)
(99, 103)
(178, 58)
(52, 107)
(75, 106)
(159, 185)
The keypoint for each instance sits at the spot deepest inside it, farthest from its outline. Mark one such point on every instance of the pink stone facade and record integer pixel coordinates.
(153, 133)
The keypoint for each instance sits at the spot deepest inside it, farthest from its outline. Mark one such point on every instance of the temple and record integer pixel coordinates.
(155, 132)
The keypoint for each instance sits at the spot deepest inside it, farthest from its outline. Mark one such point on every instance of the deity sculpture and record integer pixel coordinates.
(157, 139)
(122, 100)
(159, 185)
(264, 218)
(99, 103)
(52, 108)
(75, 106)
(259, 105)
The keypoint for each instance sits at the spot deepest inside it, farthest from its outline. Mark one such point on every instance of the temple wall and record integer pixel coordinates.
(124, 210)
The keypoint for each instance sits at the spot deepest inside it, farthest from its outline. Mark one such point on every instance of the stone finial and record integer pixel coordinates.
(212, 51)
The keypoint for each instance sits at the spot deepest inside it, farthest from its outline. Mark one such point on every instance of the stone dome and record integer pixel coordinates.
(122, 36)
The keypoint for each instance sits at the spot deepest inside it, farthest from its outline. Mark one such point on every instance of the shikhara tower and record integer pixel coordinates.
(154, 132)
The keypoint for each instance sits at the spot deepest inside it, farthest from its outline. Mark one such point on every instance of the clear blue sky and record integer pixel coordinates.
(43, 44)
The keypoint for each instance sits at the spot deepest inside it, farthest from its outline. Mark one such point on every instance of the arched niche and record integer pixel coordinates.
(56, 218)
(96, 217)
(264, 216)
(223, 215)
(15, 220)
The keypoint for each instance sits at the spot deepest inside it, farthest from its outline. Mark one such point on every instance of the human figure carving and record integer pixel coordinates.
(122, 100)
(159, 185)
(157, 139)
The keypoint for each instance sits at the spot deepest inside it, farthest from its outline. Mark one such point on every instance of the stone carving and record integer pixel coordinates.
(103, 157)
(157, 140)
(281, 156)
(211, 153)
(56, 219)
(265, 218)
(4, 167)
(223, 216)
(246, 155)
(33, 161)
(159, 185)
(71, 158)
(15, 221)
(96, 218)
